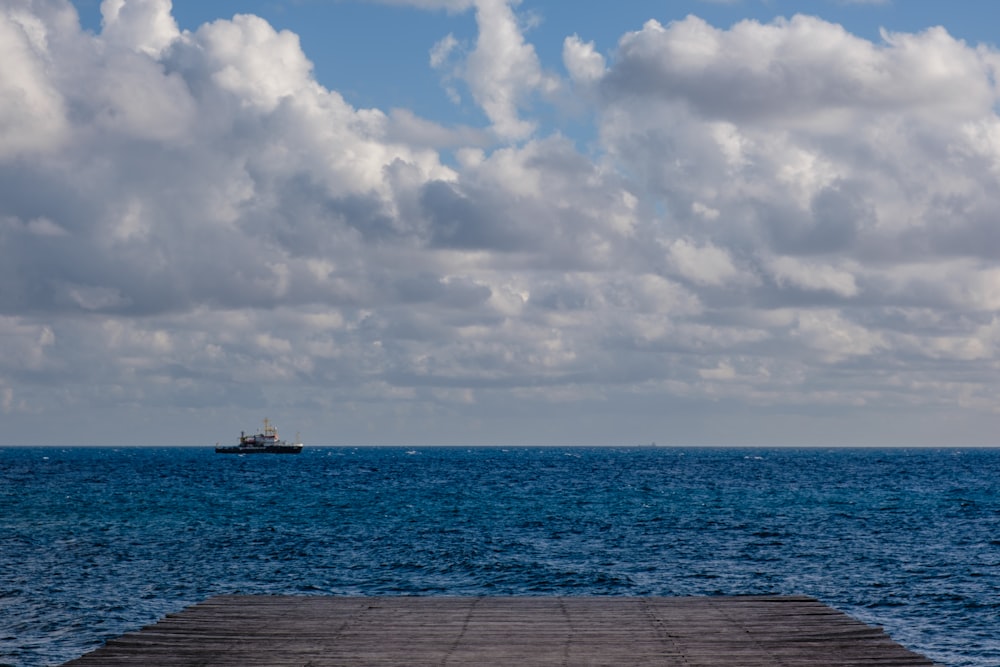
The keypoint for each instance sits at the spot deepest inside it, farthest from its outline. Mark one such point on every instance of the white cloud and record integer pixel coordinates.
(96, 298)
(404, 127)
(141, 25)
(836, 338)
(26, 346)
(32, 117)
(706, 265)
(442, 50)
(801, 72)
(795, 273)
(724, 371)
(706, 212)
(185, 212)
(582, 60)
(253, 61)
(503, 71)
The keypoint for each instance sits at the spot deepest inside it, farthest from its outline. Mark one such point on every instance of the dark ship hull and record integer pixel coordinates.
(255, 449)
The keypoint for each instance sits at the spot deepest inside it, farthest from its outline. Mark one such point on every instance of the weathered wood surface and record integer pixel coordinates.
(523, 631)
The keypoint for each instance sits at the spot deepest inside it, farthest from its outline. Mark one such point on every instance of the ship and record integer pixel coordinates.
(264, 442)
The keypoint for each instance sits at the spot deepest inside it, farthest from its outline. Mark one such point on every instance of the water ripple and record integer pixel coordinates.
(97, 542)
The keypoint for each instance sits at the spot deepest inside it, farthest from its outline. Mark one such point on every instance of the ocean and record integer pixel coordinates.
(95, 542)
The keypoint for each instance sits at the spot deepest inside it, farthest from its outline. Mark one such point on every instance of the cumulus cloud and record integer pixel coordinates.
(792, 272)
(33, 116)
(801, 72)
(502, 72)
(781, 215)
(707, 265)
(582, 60)
(141, 25)
(834, 337)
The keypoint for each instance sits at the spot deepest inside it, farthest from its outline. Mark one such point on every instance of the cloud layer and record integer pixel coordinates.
(776, 224)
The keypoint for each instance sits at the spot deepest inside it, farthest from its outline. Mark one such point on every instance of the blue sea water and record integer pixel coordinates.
(95, 542)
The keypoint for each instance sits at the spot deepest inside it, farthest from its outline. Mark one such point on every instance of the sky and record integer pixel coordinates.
(492, 222)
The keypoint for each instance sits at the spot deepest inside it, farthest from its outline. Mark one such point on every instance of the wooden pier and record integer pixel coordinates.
(754, 631)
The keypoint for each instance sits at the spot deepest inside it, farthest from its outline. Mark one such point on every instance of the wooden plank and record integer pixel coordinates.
(756, 631)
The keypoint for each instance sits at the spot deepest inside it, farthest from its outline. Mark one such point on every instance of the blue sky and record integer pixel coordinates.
(499, 222)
